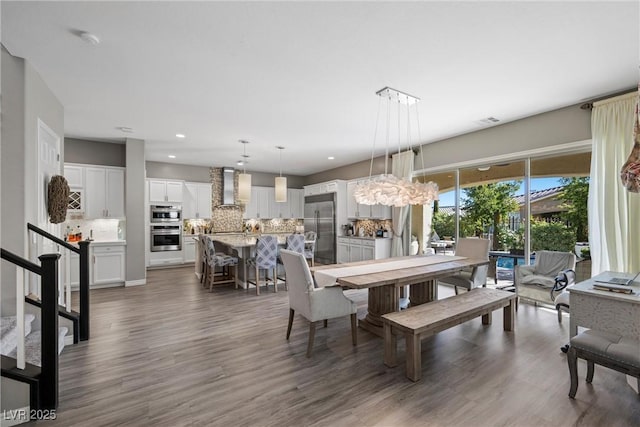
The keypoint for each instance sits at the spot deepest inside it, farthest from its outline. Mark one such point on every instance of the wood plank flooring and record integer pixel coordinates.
(172, 354)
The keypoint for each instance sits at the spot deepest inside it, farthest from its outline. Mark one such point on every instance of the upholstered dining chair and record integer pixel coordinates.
(534, 282)
(310, 246)
(470, 248)
(312, 303)
(266, 259)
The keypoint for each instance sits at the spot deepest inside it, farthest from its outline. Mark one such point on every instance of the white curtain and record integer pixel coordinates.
(402, 167)
(614, 212)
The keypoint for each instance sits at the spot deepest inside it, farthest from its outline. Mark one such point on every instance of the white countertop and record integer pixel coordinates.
(103, 243)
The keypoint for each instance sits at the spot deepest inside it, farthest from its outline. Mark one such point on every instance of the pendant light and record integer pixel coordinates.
(388, 189)
(244, 179)
(281, 182)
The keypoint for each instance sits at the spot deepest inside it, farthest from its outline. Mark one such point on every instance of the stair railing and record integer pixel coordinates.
(48, 272)
(83, 252)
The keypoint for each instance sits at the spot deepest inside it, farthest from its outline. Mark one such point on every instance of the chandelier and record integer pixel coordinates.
(388, 189)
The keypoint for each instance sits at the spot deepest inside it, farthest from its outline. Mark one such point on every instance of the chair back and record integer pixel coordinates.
(310, 236)
(299, 281)
(295, 243)
(473, 248)
(549, 263)
(267, 252)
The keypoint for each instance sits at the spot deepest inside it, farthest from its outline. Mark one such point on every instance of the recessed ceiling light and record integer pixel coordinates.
(171, 156)
(179, 135)
(125, 129)
(89, 38)
(330, 158)
(239, 163)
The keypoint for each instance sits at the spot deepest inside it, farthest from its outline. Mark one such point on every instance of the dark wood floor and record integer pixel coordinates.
(171, 354)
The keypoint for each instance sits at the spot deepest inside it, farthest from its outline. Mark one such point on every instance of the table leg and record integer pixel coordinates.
(486, 319)
(382, 300)
(414, 356)
(509, 315)
(573, 327)
(421, 293)
(390, 347)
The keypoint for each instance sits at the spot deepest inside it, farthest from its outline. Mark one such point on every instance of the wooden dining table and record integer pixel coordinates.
(385, 278)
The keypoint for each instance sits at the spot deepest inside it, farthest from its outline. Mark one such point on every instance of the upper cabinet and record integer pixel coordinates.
(102, 190)
(165, 191)
(196, 201)
(263, 204)
(356, 210)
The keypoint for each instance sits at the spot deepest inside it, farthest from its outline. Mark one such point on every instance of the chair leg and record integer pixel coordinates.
(312, 334)
(235, 275)
(326, 322)
(291, 312)
(590, 369)
(257, 280)
(572, 360)
(559, 314)
(455, 288)
(354, 329)
(275, 279)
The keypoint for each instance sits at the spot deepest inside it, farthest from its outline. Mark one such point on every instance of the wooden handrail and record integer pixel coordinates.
(20, 262)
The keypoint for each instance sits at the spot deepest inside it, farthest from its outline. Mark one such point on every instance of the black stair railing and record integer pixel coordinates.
(83, 252)
(48, 272)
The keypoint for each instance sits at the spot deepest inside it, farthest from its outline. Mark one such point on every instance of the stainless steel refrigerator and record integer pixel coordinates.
(320, 216)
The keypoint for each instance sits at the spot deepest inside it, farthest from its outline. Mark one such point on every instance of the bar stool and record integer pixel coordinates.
(310, 246)
(266, 259)
(226, 262)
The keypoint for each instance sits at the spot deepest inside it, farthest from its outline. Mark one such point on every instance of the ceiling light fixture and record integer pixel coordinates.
(244, 179)
(330, 158)
(171, 156)
(125, 129)
(388, 189)
(180, 135)
(281, 182)
(89, 38)
(484, 168)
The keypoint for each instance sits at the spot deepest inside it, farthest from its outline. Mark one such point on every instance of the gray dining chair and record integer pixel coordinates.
(477, 276)
(314, 304)
(266, 259)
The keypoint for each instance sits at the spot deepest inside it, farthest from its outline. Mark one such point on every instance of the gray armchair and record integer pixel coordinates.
(534, 282)
(477, 276)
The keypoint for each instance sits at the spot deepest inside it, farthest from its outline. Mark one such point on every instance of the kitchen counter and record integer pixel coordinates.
(95, 243)
(366, 237)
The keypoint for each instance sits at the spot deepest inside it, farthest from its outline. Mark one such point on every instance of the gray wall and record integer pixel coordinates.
(94, 152)
(135, 210)
(25, 99)
(201, 174)
(544, 130)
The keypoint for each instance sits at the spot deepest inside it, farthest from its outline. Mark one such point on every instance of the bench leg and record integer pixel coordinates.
(509, 315)
(486, 319)
(390, 347)
(572, 360)
(414, 356)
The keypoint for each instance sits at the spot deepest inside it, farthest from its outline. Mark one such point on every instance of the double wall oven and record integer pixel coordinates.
(166, 228)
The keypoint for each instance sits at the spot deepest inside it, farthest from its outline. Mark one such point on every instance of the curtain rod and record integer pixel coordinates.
(590, 105)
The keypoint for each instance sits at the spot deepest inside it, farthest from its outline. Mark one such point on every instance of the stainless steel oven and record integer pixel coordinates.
(165, 213)
(166, 237)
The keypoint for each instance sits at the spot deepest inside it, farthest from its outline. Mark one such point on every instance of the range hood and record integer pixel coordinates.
(228, 176)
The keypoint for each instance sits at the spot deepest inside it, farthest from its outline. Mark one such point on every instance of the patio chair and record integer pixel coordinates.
(470, 248)
(535, 282)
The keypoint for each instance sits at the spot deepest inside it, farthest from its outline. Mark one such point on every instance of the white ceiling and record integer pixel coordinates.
(303, 75)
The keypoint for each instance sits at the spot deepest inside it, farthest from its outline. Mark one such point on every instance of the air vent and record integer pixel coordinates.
(488, 121)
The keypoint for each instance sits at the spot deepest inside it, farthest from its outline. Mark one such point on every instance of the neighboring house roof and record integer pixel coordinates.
(539, 195)
(536, 196)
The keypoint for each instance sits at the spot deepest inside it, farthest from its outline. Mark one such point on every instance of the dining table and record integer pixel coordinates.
(384, 278)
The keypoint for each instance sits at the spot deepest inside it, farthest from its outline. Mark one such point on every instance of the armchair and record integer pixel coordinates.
(534, 282)
(314, 303)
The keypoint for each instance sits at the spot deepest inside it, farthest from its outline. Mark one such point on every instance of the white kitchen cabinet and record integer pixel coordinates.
(262, 204)
(165, 191)
(352, 249)
(74, 176)
(295, 199)
(188, 249)
(196, 201)
(108, 265)
(322, 188)
(104, 192)
(357, 210)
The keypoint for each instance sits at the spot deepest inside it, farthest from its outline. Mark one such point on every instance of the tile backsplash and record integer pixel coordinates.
(103, 229)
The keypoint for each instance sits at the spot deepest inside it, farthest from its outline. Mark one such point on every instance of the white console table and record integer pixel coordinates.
(606, 311)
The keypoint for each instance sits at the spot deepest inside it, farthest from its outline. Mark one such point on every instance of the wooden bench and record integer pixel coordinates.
(427, 319)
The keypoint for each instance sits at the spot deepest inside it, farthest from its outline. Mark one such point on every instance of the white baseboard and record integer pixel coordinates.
(13, 417)
(135, 282)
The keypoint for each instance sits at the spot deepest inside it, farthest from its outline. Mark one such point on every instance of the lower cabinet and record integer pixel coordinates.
(188, 249)
(107, 267)
(352, 249)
